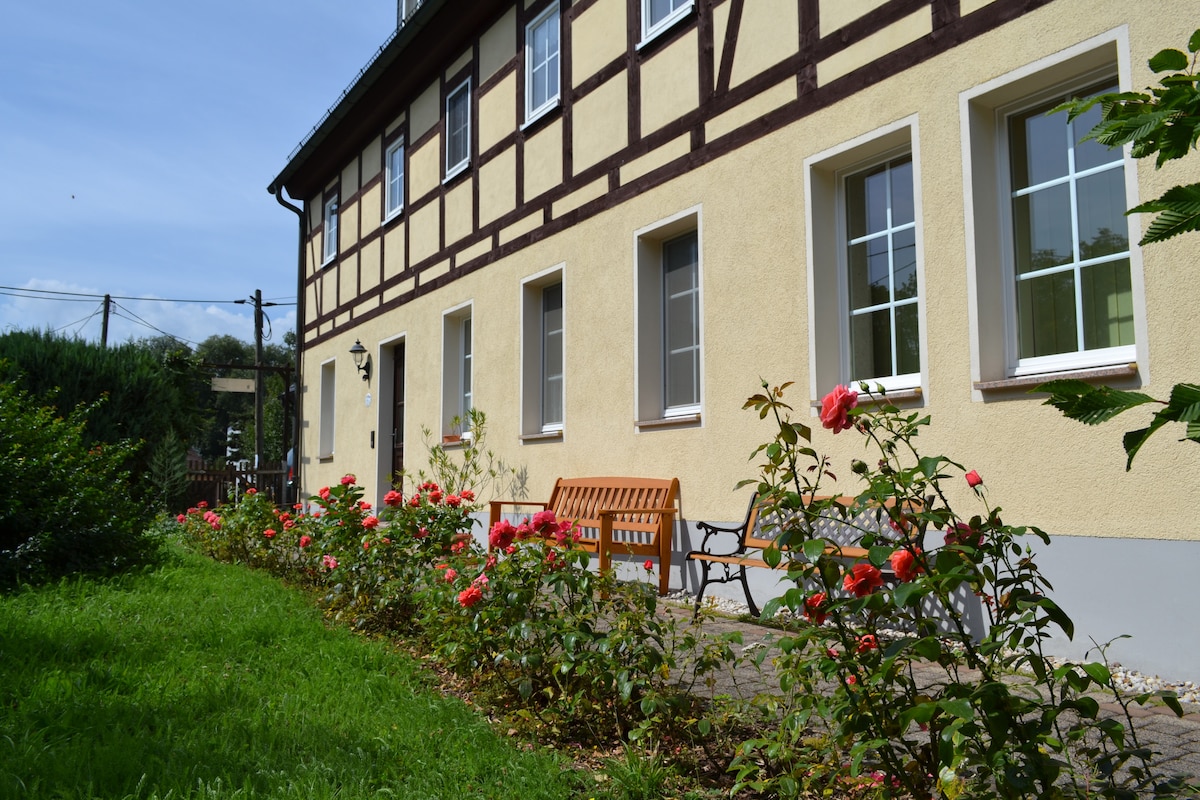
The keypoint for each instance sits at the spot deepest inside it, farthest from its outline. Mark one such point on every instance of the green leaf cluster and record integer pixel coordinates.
(1164, 122)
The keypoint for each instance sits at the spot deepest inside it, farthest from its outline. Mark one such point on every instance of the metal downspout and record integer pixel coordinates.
(298, 427)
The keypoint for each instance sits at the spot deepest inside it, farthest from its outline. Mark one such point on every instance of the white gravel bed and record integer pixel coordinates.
(1127, 680)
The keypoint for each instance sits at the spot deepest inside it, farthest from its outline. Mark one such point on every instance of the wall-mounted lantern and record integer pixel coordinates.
(362, 359)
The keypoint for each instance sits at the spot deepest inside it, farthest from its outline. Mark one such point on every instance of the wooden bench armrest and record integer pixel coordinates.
(497, 508)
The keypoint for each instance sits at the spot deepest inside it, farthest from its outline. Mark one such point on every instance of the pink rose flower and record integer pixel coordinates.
(835, 408)
(502, 534)
(323, 492)
(348, 480)
(973, 479)
(329, 562)
(252, 491)
(450, 574)
(181, 518)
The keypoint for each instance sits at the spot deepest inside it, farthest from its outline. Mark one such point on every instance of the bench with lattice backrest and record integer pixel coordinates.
(615, 515)
(758, 531)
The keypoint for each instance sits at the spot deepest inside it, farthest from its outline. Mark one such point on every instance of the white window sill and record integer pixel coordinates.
(328, 260)
(1027, 382)
(455, 171)
(399, 212)
(896, 397)
(537, 115)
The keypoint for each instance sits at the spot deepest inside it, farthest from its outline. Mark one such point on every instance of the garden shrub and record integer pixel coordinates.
(1001, 719)
(70, 508)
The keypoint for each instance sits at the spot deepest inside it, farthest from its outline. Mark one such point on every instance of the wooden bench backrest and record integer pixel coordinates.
(763, 528)
(582, 500)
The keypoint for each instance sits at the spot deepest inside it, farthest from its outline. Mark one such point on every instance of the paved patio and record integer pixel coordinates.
(1175, 740)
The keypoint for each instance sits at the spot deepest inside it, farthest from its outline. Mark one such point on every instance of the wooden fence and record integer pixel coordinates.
(214, 485)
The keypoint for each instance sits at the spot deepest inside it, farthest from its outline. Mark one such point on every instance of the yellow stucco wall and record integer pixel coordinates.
(756, 310)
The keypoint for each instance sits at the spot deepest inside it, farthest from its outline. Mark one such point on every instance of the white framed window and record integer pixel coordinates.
(1069, 239)
(543, 354)
(330, 230)
(458, 129)
(880, 233)
(328, 409)
(658, 15)
(457, 369)
(542, 64)
(394, 178)
(1054, 275)
(865, 276)
(669, 331)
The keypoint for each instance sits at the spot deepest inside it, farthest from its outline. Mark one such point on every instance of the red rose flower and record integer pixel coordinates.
(181, 518)
(862, 580)
(453, 500)
(393, 498)
(470, 596)
(867, 643)
(814, 608)
(973, 479)
(370, 523)
(435, 496)
(648, 565)
(450, 574)
(305, 541)
(252, 491)
(348, 479)
(269, 533)
(467, 494)
(323, 492)
(904, 563)
(835, 408)
(202, 504)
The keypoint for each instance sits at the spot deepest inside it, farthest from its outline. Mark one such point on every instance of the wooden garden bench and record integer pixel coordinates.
(756, 534)
(621, 515)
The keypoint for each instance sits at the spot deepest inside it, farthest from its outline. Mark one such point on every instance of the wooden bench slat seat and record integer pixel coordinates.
(751, 541)
(614, 515)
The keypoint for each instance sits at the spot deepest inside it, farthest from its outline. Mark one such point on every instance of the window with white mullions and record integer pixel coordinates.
(881, 274)
(1070, 237)
(681, 323)
(330, 249)
(465, 339)
(542, 71)
(394, 200)
(552, 358)
(458, 129)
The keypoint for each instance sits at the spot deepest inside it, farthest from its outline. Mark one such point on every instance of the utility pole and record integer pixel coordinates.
(259, 385)
(104, 327)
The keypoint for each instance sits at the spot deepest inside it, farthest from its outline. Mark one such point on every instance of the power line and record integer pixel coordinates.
(55, 294)
(84, 299)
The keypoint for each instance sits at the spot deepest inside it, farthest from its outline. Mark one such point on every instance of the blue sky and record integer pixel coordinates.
(137, 139)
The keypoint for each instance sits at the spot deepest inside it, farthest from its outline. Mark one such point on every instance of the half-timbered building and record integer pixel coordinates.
(605, 222)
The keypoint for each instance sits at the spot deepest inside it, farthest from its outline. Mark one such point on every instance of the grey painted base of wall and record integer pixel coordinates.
(1146, 589)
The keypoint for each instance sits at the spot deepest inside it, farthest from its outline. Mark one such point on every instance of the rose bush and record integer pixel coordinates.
(1001, 719)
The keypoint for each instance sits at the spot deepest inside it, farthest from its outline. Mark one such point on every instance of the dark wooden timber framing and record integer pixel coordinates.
(949, 29)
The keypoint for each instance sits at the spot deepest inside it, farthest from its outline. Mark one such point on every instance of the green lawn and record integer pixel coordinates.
(202, 680)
